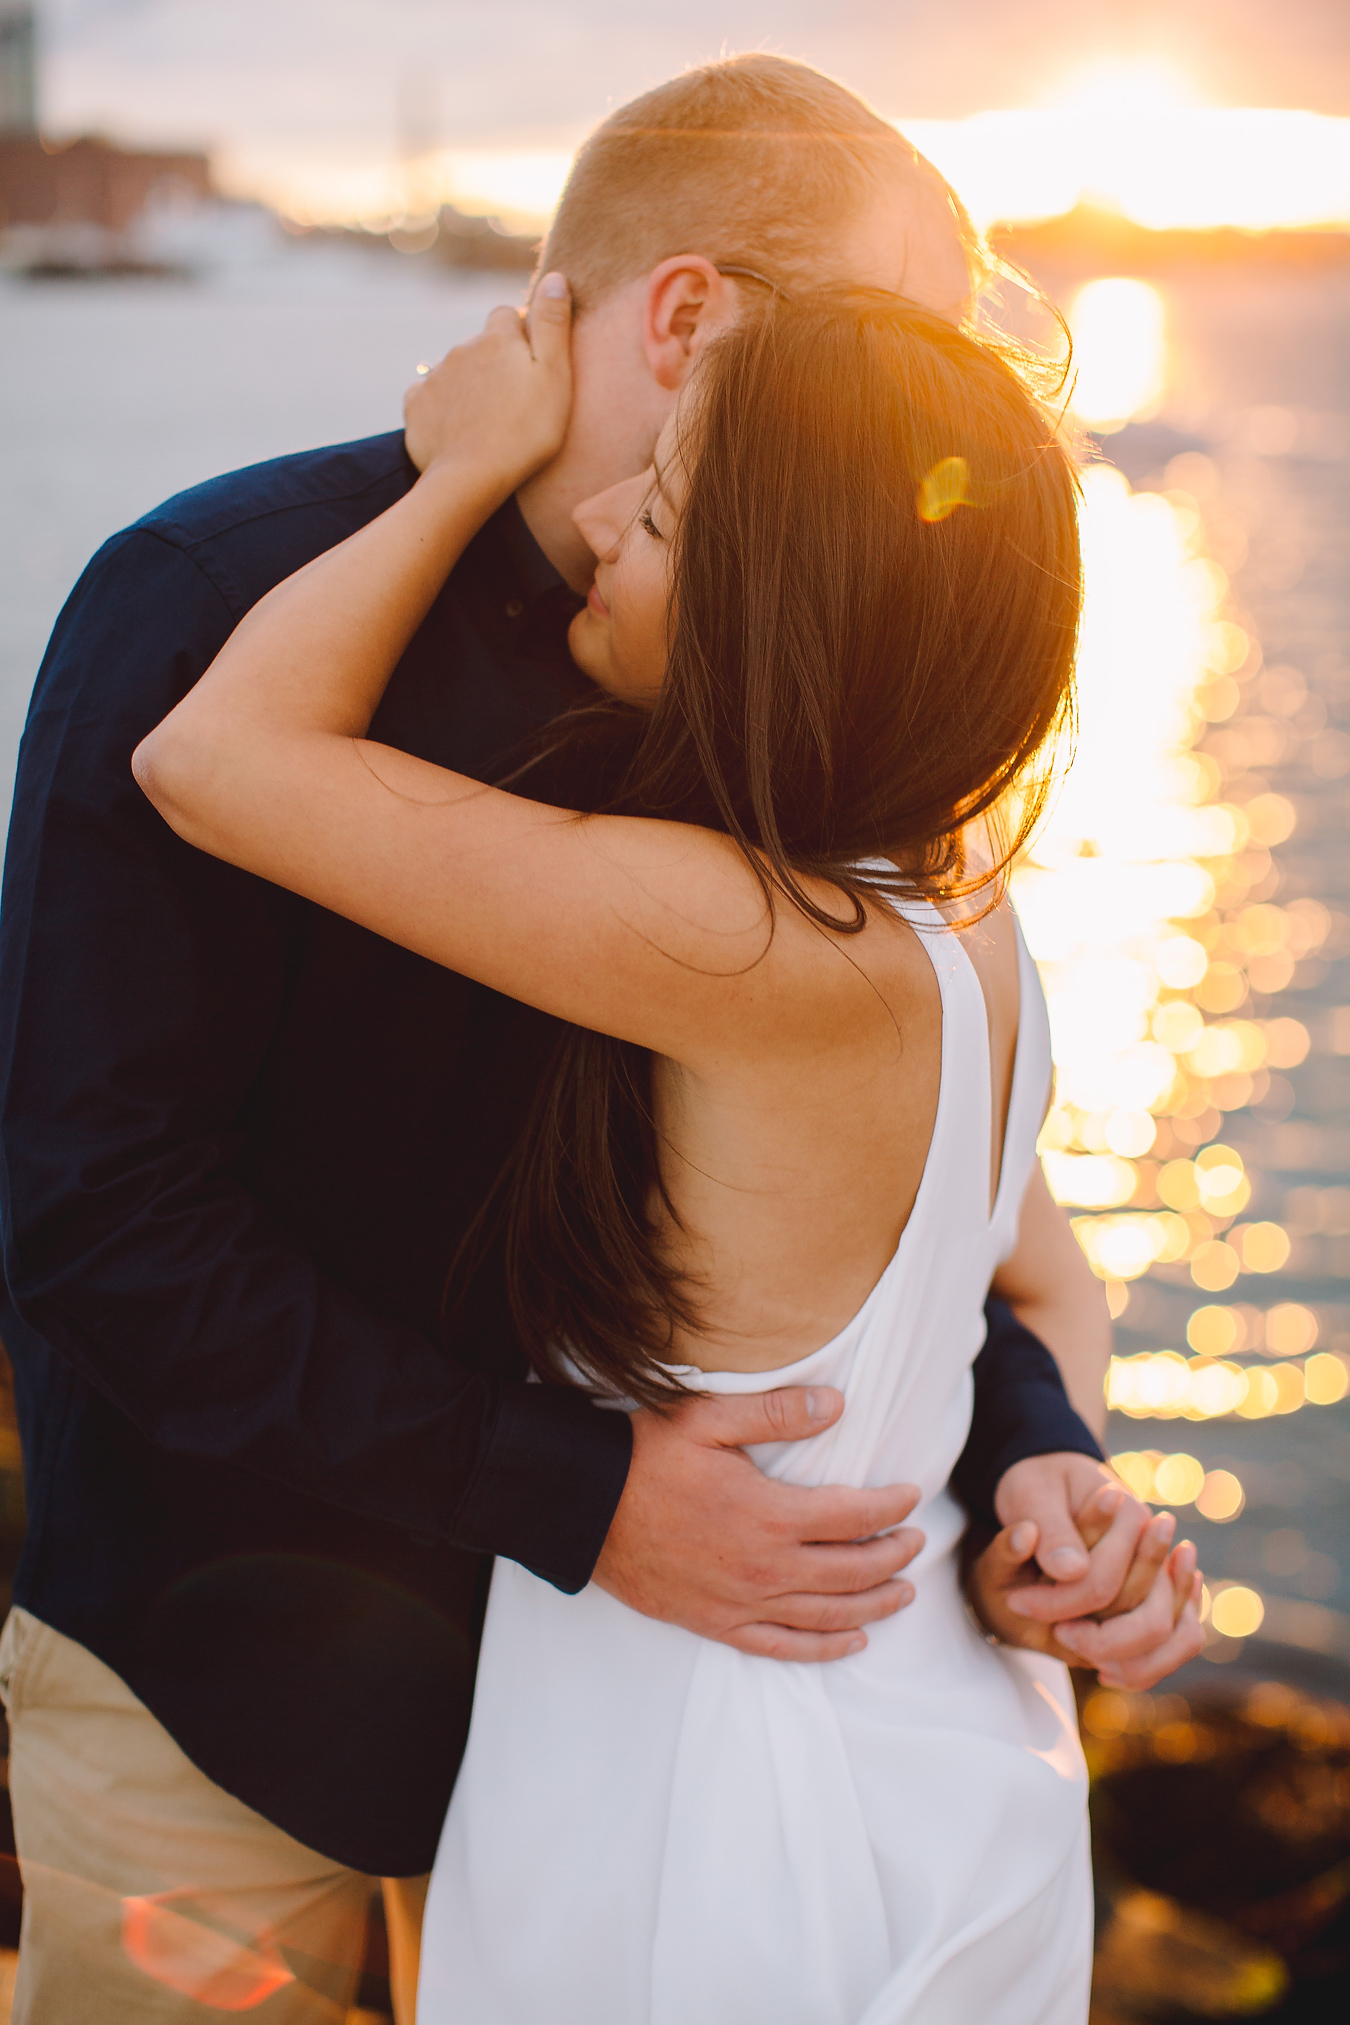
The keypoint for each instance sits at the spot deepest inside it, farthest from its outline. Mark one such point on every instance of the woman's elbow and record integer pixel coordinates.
(152, 768)
(166, 766)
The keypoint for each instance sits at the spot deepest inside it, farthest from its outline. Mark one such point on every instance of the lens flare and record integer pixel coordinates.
(200, 1962)
(944, 488)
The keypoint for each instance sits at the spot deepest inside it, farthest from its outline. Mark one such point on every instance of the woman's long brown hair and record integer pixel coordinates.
(876, 596)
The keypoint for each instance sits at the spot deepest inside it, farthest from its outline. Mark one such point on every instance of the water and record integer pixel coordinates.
(116, 394)
(1264, 390)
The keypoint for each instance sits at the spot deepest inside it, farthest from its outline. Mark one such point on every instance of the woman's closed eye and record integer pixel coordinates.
(648, 525)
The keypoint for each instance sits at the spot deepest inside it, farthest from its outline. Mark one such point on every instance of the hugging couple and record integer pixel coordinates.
(543, 1351)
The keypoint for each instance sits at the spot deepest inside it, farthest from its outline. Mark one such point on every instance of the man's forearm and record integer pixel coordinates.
(1055, 1294)
(1078, 1336)
(1021, 1409)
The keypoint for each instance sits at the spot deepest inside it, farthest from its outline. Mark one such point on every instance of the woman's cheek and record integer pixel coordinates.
(656, 628)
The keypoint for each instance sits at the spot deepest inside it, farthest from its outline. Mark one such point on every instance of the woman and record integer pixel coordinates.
(788, 1134)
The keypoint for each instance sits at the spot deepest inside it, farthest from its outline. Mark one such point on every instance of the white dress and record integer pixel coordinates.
(653, 1829)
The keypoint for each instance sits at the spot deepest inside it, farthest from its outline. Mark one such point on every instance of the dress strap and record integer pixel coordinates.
(1033, 1069)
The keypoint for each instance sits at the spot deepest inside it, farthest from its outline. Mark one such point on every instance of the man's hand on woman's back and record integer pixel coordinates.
(704, 1539)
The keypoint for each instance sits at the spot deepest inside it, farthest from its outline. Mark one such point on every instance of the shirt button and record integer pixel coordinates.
(514, 608)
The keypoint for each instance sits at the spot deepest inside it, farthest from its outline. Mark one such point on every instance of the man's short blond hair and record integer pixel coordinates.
(755, 162)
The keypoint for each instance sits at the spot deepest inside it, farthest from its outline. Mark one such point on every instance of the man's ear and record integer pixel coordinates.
(687, 302)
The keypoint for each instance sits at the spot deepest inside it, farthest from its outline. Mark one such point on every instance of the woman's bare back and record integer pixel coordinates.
(793, 1176)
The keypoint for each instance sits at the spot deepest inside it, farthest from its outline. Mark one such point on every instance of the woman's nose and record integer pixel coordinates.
(601, 519)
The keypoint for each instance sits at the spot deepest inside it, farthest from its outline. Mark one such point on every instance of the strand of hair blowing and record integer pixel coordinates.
(854, 676)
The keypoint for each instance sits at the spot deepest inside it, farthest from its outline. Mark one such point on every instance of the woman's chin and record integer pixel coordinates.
(584, 648)
(589, 644)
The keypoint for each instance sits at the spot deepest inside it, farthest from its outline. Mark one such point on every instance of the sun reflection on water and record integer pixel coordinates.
(1119, 350)
(1148, 899)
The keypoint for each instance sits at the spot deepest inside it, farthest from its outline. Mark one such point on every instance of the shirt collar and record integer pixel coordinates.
(533, 572)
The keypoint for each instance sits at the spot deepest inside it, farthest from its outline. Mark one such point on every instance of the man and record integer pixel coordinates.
(243, 1141)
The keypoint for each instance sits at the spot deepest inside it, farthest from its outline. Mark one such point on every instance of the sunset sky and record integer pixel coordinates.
(317, 95)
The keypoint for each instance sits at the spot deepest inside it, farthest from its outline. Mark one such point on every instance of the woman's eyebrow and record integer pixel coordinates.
(661, 485)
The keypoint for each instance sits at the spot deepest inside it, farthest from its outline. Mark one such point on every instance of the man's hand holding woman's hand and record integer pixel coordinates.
(1112, 1593)
(496, 409)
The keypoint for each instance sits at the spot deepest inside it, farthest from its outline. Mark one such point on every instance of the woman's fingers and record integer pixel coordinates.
(1149, 1555)
(1153, 1626)
(505, 321)
(1142, 1631)
(499, 404)
(996, 1575)
(1109, 1564)
(1184, 1571)
(1093, 1520)
(1141, 1636)
(1185, 1642)
(548, 321)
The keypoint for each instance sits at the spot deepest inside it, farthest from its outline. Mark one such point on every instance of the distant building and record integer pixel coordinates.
(90, 182)
(69, 184)
(18, 69)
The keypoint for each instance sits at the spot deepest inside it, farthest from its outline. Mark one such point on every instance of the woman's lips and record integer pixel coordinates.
(596, 602)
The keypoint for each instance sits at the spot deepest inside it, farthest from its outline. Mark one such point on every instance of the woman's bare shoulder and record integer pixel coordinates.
(853, 985)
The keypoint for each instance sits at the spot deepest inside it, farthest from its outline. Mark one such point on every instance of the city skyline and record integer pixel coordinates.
(348, 79)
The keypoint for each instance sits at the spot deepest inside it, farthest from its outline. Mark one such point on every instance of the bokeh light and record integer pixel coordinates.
(1119, 340)
(1326, 1379)
(1163, 1385)
(1290, 1329)
(1221, 1497)
(1235, 1610)
(1180, 1479)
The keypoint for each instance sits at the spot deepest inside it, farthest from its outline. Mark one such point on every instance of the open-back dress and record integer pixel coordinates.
(654, 1829)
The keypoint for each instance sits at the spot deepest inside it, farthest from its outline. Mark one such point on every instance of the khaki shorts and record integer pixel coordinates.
(151, 1896)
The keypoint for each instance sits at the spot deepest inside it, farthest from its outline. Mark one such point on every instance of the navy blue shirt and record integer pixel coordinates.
(241, 1141)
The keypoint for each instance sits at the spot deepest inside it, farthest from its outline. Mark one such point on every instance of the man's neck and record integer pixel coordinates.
(617, 413)
(546, 502)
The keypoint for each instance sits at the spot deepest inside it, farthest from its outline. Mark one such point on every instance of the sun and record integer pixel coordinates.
(1125, 87)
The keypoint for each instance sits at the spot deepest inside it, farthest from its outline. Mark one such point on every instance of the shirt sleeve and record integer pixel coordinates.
(1021, 1409)
(140, 985)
